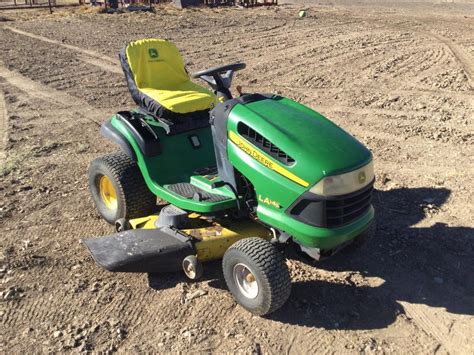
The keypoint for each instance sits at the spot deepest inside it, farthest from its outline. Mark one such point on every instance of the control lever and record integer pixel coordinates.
(221, 183)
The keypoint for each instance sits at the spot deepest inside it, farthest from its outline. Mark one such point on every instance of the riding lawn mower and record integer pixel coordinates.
(202, 175)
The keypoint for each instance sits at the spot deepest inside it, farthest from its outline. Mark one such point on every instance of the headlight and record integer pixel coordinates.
(345, 183)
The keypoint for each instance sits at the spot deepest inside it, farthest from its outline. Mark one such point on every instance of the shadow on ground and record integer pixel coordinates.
(428, 266)
(418, 265)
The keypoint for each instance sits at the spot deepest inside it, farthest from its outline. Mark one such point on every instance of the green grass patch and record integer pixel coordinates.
(14, 162)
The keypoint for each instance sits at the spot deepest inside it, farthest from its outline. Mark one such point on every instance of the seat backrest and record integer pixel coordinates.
(154, 63)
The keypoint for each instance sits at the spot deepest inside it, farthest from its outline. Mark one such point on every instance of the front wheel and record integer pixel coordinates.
(118, 188)
(256, 275)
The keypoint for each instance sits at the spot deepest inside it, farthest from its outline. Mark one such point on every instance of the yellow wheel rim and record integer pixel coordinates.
(108, 193)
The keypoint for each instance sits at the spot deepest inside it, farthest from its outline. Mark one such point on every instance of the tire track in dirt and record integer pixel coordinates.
(460, 54)
(77, 49)
(3, 130)
(113, 68)
(43, 92)
(88, 56)
(431, 325)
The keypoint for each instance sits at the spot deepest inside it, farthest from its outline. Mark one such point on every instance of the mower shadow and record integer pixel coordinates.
(428, 265)
(212, 276)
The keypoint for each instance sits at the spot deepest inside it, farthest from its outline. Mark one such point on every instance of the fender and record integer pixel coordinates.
(110, 132)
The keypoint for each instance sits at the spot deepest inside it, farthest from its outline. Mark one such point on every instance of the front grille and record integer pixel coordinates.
(332, 212)
(347, 208)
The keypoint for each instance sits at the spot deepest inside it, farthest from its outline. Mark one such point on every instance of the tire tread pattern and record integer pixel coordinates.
(139, 200)
(271, 262)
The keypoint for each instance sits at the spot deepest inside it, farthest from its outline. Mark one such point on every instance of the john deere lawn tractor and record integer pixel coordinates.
(202, 175)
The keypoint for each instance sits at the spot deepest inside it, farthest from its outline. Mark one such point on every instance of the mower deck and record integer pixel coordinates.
(147, 247)
(212, 237)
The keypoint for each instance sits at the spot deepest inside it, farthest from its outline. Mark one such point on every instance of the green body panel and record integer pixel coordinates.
(319, 147)
(314, 237)
(175, 164)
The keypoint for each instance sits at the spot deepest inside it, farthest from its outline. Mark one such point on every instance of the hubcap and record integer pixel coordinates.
(246, 281)
(107, 192)
(189, 269)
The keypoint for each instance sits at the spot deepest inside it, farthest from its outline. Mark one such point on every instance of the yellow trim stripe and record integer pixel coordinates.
(254, 153)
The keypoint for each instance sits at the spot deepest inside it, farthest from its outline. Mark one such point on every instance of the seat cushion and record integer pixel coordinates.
(158, 81)
(183, 98)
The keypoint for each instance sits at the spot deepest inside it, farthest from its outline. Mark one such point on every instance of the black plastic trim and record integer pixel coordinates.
(142, 250)
(313, 209)
(220, 114)
(149, 143)
(219, 69)
(110, 132)
(264, 144)
(219, 119)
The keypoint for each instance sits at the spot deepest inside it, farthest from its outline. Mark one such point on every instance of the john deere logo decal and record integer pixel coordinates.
(262, 159)
(153, 53)
(362, 177)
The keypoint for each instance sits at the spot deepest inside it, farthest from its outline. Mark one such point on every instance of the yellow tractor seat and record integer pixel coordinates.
(159, 83)
(183, 98)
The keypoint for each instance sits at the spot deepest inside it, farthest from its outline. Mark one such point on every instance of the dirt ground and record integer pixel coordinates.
(400, 78)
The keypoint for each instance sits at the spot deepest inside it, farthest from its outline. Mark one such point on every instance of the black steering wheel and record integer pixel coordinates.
(218, 70)
(220, 78)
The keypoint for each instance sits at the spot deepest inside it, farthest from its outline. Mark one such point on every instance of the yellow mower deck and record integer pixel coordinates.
(214, 236)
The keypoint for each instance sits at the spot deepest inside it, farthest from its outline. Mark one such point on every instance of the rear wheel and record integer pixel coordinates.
(118, 188)
(256, 275)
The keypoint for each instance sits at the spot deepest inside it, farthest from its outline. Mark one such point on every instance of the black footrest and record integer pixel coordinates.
(195, 193)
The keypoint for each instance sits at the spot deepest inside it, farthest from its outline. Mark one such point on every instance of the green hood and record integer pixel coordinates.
(319, 147)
